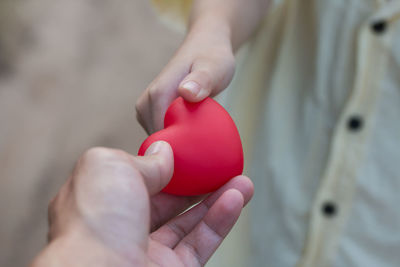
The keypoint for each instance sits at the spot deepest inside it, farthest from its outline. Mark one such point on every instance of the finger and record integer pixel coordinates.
(207, 77)
(198, 246)
(176, 229)
(156, 166)
(164, 90)
(143, 113)
(153, 104)
(160, 102)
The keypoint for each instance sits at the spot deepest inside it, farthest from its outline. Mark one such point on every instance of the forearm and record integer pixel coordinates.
(235, 19)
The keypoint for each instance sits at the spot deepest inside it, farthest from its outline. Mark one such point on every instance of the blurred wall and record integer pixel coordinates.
(70, 73)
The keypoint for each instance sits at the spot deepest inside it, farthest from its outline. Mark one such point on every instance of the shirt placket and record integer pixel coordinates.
(333, 201)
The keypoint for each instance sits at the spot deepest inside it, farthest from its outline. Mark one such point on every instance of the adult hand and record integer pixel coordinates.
(110, 212)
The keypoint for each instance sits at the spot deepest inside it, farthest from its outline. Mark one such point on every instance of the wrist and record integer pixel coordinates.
(211, 29)
(240, 18)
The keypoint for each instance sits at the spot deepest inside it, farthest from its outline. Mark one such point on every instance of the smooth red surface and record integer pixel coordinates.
(206, 144)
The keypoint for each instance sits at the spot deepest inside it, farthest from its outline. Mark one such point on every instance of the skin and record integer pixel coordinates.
(204, 64)
(110, 212)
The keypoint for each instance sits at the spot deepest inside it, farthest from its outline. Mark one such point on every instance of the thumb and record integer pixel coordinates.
(156, 166)
(207, 78)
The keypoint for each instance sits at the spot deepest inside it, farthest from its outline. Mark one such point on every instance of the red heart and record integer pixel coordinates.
(206, 144)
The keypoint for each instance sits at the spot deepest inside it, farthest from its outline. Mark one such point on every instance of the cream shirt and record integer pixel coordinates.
(316, 96)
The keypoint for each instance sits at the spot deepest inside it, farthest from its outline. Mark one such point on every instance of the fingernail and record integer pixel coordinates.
(154, 148)
(202, 94)
(192, 86)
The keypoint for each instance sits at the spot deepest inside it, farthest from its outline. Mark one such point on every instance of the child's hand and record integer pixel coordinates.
(203, 66)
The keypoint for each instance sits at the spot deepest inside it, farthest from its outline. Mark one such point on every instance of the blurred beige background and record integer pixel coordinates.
(70, 73)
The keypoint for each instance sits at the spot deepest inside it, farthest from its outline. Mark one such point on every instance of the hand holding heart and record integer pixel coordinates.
(110, 213)
(202, 66)
(206, 145)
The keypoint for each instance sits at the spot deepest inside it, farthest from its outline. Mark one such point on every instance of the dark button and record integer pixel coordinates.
(355, 123)
(329, 209)
(379, 26)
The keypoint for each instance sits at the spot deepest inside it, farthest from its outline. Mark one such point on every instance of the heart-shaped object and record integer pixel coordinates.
(206, 145)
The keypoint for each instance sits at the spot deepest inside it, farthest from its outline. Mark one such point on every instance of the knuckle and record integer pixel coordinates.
(226, 70)
(165, 167)
(215, 70)
(139, 114)
(142, 102)
(205, 73)
(226, 64)
(141, 110)
(178, 229)
(98, 155)
(159, 167)
(155, 92)
(138, 107)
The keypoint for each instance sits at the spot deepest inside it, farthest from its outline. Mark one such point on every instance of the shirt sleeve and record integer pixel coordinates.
(174, 13)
